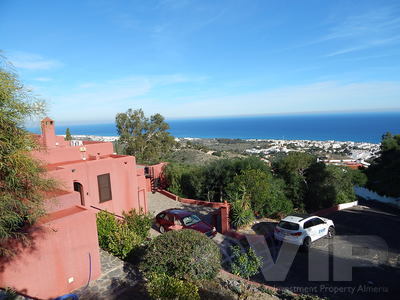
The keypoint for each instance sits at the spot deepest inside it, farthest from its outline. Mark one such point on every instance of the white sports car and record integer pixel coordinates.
(303, 230)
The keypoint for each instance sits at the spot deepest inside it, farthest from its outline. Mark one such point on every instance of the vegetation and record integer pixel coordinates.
(264, 191)
(68, 136)
(312, 185)
(162, 286)
(245, 264)
(296, 182)
(183, 254)
(241, 213)
(22, 184)
(383, 174)
(210, 181)
(145, 138)
(139, 223)
(292, 169)
(327, 186)
(123, 241)
(189, 156)
(122, 237)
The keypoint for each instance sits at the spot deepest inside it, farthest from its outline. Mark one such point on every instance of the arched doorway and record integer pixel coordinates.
(79, 188)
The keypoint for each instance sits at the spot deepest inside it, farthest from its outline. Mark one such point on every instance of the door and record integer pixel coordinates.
(320, 227)
(79, 188)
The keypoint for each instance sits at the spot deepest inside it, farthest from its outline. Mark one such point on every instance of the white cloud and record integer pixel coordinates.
(375, 28)
(29, 61)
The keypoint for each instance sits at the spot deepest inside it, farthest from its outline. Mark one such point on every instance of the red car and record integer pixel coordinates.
(175, 218)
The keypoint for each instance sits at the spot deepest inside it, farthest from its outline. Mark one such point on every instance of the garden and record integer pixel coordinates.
(183, 264)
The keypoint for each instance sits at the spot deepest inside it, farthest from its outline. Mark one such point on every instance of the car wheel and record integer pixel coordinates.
(307, 243)
(162, 229)
(331, 232)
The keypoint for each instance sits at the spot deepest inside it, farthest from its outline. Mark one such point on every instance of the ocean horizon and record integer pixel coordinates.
(357, 127)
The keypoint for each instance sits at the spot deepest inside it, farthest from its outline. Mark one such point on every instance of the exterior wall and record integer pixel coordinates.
(63, 201)
(124, 182)
(73, 153)
(327, 211)
(371, 195)
(59, 261)
(158, 169)
(142, 183)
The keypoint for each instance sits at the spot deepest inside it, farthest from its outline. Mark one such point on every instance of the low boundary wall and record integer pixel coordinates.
(327, 211)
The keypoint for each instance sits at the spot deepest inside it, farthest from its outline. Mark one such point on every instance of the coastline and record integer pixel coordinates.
(115, 138)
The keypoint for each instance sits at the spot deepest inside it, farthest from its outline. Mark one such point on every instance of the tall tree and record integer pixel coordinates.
(68, 136)
(328, 185)
(146, 138)
(383, 174)
(21, 177)
(292, 169)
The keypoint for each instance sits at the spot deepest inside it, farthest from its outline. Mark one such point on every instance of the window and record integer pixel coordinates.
(288, 225)
(104, 187)
(318, 221)
(309, 224)
(191, 220)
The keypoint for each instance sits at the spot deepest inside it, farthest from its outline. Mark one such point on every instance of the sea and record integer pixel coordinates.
(357, 127)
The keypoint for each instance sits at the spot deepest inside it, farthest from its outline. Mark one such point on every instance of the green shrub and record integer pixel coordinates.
(240, 212)
(123, 241)
(107, 225)
(245, 264)
(140, 224)
(182, 254)
(122, 237)
(162, 286)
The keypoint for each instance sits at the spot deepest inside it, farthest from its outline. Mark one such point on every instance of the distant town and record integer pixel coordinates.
(331, 152)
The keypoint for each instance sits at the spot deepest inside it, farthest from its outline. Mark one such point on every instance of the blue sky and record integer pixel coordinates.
(93, 59)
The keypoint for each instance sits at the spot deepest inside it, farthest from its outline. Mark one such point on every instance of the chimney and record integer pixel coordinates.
(48, 133)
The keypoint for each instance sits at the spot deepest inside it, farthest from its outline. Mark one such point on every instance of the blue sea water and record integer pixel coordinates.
(358, 127)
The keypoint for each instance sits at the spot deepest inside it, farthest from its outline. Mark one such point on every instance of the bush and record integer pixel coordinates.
(245, 264)
(123, 241)
(264, 192)
(107, 225)
(162, 286)
(139, 223)
(240, 212)
(182, 254)
(122, 237)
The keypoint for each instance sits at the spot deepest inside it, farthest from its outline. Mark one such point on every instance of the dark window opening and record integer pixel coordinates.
(308, 224)
(104, 187)
(78, 188)
(288, 225)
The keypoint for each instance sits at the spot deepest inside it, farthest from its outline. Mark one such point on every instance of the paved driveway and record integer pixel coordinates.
(368, 228)
(158, 202)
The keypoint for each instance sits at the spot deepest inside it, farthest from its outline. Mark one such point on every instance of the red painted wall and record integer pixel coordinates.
(124, 182)
(60, 252)
(62, 200)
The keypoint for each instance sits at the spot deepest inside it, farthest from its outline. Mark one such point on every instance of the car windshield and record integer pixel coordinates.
(191, 220)
(288, 225)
